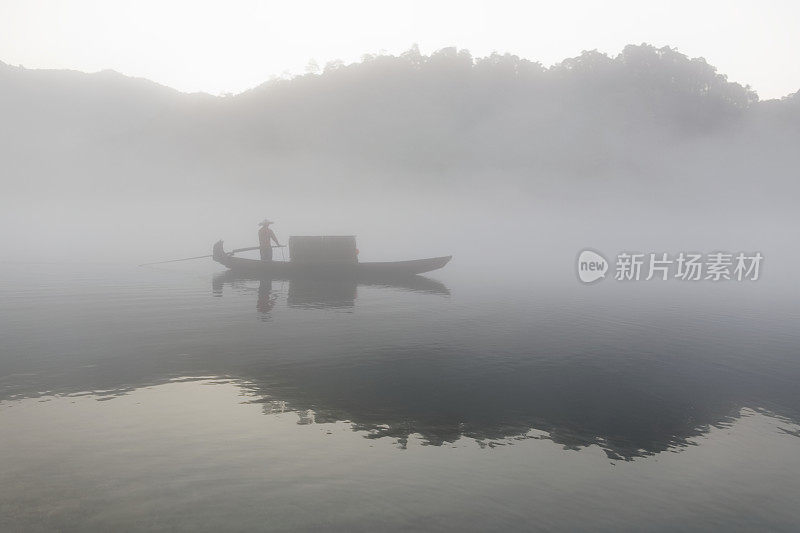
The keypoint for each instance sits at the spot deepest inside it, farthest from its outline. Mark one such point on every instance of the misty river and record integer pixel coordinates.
(188, 397)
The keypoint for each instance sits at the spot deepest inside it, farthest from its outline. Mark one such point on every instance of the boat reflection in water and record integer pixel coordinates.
(316, 293)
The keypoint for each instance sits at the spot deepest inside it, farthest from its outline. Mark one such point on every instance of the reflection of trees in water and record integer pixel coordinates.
(630, 410)
(634, 396)
(640, 410)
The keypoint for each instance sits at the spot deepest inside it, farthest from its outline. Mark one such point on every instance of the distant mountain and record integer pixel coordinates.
(443, 114)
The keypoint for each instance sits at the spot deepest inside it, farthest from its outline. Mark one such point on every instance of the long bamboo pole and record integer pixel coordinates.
(204, 256)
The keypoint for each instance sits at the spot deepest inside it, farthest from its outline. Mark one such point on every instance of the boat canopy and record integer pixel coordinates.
(340, 249)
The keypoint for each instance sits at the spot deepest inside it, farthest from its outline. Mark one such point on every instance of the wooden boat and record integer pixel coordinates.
(328, 269)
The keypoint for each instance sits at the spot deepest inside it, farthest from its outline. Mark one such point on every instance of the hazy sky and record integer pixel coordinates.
(230, 46)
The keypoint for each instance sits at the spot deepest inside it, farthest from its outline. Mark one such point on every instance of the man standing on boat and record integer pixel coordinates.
(265, 235)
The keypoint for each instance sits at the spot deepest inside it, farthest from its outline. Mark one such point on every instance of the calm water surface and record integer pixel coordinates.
(188, 399)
